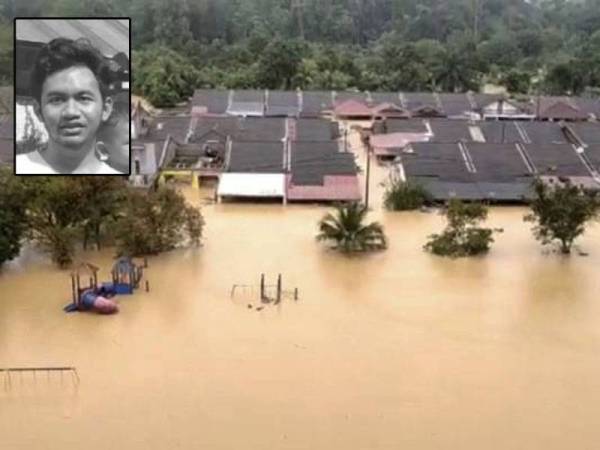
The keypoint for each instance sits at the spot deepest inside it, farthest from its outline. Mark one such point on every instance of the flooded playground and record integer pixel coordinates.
(397, 349)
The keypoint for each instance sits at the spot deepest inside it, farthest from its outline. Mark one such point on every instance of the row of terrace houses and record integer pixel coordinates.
(389, 137)
(368, 105)
(493, 161)
(287, 159)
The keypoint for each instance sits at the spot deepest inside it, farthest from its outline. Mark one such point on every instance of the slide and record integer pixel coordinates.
(91, 300)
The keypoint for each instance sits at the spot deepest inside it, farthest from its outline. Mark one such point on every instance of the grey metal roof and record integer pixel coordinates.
(256, 157)
(311, 161)
(497, 162)
(282, 98)
(110, 36)
(512, 191)
(482, 100)
(224, 126)
(248, 95)
(448, 130)
(499, 132)
(316, 130)
(589, 132)
(414, 100)
(543, 132)
(246, 108)
(556, 159)
(385, 97)
(175, 126)
(282, 104)
(442, 190)
(455, 104)
(215, 101)
(445, 190)
(314, 103)
(345, 96)
(593, 154)
(282, 111)
(438, 160)
(260, 129)
(588, 105)
(405, 126)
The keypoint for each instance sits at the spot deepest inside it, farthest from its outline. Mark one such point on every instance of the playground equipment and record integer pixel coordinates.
(269, 293)
(126, 276)
(34, 372)
(90, 297)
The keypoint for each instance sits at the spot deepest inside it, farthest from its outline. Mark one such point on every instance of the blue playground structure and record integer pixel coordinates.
(126, 277)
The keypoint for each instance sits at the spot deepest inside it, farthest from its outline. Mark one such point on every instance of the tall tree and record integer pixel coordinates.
(12, 216)
(346, 230)
(560, 212)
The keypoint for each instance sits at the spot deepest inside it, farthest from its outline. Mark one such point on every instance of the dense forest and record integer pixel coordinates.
(549, 46)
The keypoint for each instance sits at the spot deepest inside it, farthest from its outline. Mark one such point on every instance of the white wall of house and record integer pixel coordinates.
(268, 185)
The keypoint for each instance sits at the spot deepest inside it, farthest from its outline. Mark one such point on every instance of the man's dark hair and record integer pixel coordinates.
(62, 53)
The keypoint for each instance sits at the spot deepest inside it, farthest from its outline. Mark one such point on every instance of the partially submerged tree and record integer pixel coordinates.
(347, 231)
(462, 236)
(156, 222)
(560, 212)
(53, 216)
(405, 195)
(12, 216)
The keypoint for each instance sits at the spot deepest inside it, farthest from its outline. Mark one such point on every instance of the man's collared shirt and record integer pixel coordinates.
(34, 164)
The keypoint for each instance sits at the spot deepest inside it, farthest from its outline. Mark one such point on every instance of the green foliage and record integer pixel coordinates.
(368, 45)
(279, 64)
(560, 212)
(53, 216)
(405, 195)
(156, 222)
(565, 78)
(163, 76)
(462, 236)
(345, 228)
(99, 200)
(517, 81)
(12, 216)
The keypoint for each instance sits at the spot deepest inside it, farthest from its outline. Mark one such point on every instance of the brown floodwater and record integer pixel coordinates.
(398, 349)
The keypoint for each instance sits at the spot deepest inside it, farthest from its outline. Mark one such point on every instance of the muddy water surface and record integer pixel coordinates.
(393, 350)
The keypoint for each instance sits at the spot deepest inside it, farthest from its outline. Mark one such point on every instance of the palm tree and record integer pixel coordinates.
(346, 229)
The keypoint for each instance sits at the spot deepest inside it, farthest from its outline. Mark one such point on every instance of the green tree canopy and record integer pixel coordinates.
(560, 212)
(345, 228)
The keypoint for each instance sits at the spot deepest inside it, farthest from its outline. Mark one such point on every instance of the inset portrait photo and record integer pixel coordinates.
(72, 99)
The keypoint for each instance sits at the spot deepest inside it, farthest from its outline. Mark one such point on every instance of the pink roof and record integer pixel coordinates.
(352, 108)
(390, 109)
(383, 144)
(559, 108)
(335, 187)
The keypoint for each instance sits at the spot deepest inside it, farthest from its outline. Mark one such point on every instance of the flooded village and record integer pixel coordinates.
(333, 233)
(391, 349)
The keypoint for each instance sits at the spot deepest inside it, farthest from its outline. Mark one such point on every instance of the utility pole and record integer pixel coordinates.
(368, 173)
(475, 20)
(345, 139)
(298, 9)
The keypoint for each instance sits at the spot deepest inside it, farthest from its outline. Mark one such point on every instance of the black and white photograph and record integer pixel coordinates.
(72, 97)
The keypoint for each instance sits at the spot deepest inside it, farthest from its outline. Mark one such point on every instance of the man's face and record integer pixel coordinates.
(72, 107)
